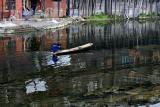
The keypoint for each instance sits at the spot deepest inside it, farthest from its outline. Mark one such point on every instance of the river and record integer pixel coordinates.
(121, 69)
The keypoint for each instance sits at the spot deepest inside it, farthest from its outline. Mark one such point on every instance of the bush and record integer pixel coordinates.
(101, 16)
(151, 14)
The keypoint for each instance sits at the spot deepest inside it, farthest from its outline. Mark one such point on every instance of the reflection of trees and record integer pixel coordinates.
(93, 87)
(12, 46)
(34, 41)
(33, 44)
(127, 34)
(126, 81)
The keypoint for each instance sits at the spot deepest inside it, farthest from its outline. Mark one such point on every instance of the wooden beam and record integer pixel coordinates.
(2, 10)
(68, 7)
(9, 3)
(74, 50)
(58, 8)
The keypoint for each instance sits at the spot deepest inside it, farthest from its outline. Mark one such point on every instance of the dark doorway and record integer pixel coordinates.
(34, 5)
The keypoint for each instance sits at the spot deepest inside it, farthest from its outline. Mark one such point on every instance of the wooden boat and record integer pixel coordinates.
(74, 50)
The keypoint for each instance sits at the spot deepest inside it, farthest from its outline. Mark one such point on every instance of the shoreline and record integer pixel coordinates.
(33, 25)
(21, 26)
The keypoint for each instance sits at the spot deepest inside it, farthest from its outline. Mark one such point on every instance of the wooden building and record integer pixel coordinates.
(17, 8)
(9, 8)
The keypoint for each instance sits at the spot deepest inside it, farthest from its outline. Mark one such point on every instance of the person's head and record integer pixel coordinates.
(57, 43)
(55, 47)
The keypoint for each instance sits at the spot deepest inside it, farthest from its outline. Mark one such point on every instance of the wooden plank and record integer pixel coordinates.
(76, 49)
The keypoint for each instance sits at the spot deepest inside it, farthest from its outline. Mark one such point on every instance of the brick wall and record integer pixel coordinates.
(52, 8)
(17, 12)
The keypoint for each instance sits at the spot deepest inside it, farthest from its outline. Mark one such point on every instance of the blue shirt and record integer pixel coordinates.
(55, 47)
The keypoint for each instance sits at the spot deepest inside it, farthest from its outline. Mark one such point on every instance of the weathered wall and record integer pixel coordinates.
(52, 8)
(127, 8)
(18, 11)
(2, 8)
(9, 13)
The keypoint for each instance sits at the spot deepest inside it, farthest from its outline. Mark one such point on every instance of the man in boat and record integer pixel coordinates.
(55, 47)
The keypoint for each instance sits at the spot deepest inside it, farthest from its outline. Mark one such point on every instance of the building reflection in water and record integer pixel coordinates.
(56, 61)
(35, 41)
(35, 85)
(122, 68)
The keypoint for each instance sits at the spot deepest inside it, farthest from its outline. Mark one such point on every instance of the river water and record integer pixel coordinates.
(121, 69)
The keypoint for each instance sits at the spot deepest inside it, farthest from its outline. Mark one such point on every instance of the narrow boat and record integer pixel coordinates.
(74, 50)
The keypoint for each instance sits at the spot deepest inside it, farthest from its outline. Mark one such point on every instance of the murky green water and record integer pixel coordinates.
(121, 69)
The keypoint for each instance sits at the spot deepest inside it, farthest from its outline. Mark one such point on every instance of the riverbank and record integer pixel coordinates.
(9, 27)
(22, 26)
(104, 17)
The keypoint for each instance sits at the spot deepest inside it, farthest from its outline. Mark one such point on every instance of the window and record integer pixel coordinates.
(10, 4)
(57, 0)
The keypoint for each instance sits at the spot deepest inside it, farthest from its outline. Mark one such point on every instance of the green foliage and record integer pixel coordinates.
(145, 15)
(103, 16)
(116, 17)
(142, 15)
(100, 16)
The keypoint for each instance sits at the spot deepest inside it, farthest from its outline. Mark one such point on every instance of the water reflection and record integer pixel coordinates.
(153, 105)
(35, 85)
(122, 69)
(103, 35)
(56, 61)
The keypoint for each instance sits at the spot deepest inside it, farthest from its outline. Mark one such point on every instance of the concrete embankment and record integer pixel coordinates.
(37, 24)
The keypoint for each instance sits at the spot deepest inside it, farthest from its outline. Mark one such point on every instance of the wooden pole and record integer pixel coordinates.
(24, 4)
(58, 8)
(43, 5)
(9, 8)
(68, 7)
(105, 9)
(2, 9)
